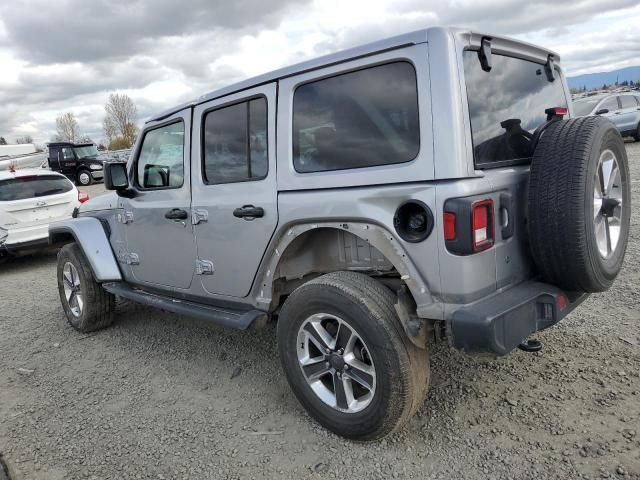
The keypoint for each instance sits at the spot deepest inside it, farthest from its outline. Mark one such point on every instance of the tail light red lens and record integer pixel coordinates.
(82, 196)
(482, 225)
(449, 226)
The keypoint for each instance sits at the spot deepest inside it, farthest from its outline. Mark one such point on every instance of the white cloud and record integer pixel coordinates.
(162, 53)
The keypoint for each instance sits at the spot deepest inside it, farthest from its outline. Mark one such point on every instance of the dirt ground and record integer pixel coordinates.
(161, 396)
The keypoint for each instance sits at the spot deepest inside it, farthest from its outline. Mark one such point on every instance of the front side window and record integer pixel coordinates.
(627, 101)
(161, 159)
(506, 105)
(359, 119)
(86, 151)
(21, 188)
(584, 107)
(235, 143)
(67, 153)
(610, 104)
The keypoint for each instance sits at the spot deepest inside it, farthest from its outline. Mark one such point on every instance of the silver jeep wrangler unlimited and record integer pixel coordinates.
(420, 187)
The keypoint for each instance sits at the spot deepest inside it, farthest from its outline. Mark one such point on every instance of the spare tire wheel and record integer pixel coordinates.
(579, 204)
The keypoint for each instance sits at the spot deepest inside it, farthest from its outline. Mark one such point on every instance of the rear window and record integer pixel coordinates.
(21, 188)
(358, 119)
(503, 103)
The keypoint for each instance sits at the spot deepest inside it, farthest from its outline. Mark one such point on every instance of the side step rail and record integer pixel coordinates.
(240, 319)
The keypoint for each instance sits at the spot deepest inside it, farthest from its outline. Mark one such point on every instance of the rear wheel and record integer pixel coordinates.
(86, 304)
(84, 178)
(347, 358)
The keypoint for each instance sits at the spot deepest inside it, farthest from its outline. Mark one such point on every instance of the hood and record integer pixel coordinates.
(107, 201)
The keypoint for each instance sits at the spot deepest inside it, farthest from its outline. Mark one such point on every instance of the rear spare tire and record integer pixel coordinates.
(579, 204)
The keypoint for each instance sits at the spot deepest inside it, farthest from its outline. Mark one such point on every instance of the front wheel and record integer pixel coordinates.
(84, 178)
(347, 358)
(86, 304)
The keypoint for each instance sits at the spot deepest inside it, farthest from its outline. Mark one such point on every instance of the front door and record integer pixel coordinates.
(160, 248)
(234, 187)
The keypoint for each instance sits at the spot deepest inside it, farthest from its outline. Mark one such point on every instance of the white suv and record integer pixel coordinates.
(29, 200)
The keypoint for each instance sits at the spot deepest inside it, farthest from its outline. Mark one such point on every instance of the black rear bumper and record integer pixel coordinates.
(500, 322)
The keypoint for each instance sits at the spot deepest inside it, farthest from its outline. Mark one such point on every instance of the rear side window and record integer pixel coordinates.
(358, 119)
(627, 101)
(506, 105)
(21, 188)
(161, 159)
(235, 143)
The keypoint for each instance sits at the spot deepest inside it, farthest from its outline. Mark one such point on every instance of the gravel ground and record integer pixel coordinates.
(162, 396)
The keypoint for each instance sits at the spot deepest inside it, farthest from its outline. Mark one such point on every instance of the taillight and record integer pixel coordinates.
(468, 225)
(449, 226)
(82, 196)
(482, 225)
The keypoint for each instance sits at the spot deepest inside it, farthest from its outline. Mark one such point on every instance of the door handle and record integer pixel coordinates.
(176, 214)
(248, 212)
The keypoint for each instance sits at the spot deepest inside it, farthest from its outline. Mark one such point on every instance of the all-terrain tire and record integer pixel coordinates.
(97, 304)
(401, 369)
(561, 205)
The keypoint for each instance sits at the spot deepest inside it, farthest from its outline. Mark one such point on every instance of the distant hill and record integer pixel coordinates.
(596, 80)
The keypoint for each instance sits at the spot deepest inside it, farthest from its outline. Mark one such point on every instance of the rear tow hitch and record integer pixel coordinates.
(531, 345)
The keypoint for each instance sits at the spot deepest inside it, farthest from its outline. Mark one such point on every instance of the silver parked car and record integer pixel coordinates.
(622, 109)
(421, 188)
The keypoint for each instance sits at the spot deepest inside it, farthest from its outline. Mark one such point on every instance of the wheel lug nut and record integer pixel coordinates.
(326, 364)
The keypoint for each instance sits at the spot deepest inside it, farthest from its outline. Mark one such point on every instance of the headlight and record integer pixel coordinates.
(95, 166)
(3, 235)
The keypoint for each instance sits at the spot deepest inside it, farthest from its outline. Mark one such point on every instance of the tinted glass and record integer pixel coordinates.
(31, 187)
(161, 159)
(235, 143)
(67, 153)
(504, 103)
(358, 119)
(628, 101)
(584, 107)
(610, 104)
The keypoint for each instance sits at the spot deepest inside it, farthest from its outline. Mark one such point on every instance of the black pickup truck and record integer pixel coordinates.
(79, 162)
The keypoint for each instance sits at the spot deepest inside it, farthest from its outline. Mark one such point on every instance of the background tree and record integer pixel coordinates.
(24, 139)
(2, 141)
(67, 128)
(119, 125)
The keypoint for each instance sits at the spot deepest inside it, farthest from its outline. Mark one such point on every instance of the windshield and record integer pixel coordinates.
(584, 107)
(86, 151)
(20, 188)
(506, 105)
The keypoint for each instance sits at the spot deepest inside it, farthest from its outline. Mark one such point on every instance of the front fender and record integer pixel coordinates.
(92, 239)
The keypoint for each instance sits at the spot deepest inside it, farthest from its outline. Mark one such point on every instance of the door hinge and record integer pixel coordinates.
(128, 258)
(204, 267)
(125, 217)
(199, 216)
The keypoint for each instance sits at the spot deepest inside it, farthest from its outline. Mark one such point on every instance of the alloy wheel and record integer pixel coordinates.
(336, 363)
(607, 204)
(72, 289)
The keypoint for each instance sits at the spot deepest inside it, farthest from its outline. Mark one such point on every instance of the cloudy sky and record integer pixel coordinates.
(68, 55)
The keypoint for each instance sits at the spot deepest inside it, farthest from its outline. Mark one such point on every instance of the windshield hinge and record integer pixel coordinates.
(125, 217)
(204, 267)
(484, 54)
(199, 216)
(550, 68)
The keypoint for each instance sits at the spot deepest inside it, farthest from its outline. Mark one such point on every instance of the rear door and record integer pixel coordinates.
(234, 187)
(157, 221)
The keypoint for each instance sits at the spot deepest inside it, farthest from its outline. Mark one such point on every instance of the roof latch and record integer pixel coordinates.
(484, 54)
(550, 69)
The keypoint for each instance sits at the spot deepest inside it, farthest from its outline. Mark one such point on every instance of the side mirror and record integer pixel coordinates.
(115, 176)
(602, 111)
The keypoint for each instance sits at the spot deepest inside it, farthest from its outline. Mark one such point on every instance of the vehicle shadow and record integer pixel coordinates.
(11, 264)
